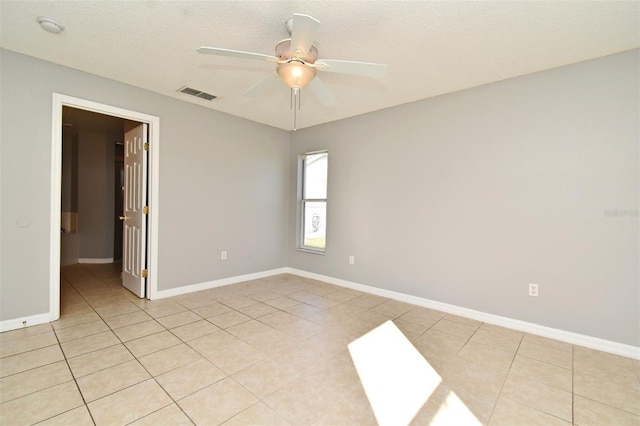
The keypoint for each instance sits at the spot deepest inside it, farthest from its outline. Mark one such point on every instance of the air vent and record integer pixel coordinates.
(197, 93)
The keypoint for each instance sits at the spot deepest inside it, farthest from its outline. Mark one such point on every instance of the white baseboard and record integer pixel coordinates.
(218, 283)
(14, 324)
(528, 327)
(96, 260)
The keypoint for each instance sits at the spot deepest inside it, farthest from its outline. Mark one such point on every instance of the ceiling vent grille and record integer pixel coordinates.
(197, 93)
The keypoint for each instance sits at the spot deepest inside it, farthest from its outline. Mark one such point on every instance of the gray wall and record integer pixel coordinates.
(468, 197)
(463, 199)
(96, 181)
(223, 183)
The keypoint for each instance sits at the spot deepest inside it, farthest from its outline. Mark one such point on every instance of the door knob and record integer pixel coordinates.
(122, 217)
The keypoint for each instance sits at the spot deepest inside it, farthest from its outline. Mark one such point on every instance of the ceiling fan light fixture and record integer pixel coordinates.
(295, 74)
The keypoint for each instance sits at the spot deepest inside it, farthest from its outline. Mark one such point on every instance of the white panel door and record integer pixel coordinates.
(135, 220)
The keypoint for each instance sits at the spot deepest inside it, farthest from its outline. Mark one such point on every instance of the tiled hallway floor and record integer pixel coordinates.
(274, 351)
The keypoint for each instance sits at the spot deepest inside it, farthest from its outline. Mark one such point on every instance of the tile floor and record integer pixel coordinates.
(274, 351)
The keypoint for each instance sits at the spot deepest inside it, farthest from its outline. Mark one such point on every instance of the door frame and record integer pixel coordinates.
(60, 101)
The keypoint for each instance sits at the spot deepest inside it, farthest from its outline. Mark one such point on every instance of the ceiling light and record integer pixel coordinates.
(295, 74)
(50, 25)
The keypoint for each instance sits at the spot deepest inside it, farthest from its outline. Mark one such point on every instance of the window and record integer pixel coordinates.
(313, 201)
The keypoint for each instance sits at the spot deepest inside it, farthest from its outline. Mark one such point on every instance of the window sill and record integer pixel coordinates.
(310, 250)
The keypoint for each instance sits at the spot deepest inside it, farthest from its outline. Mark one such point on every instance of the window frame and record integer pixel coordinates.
(302, 201)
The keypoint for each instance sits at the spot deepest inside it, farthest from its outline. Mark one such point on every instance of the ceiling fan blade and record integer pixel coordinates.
(304, 30)
(236, 54)
(321, 91)
(366, 69)
(264, 87)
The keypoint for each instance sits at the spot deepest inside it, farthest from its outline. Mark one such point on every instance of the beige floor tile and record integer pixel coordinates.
(258, 310)
(217, 403)
(625, 396)
(410, 330)
(271, 341)
(176, 320)
(282, 302)
(99, 360)
(537, 395)
(229, 319)
(165, 309)
(29, 360)
(238, 357)
(300, 402)
(265, 377)
(546, 354)
(21, 384)
(588, 412)
(194, 330)
(438, 347)
(508, 342)
(262, 295)
(302, 310)
(153, 343)
(322, 302)
(295, 358)
(424, 317)
(463, 320)
(28, 343)
(124, 320)
(443, 408)
(258, 414)
(89, 344)
(170, 415)
(237, 301)
(214, 342)
(79, 331)
(502, 330)
(168, 359)
(353, 409)
(129, 404)
(454, 328)
(77, 417)
(509, 413)
(549, 374)
(301, 329)
(367, 301)
(603, 365)
(487, 357)
(125, 307)
(545, 341)
(136, 331)
(190, 378)
(212, 310)
(75, 319)
(194, 301)
(41, 405)
(24, 332)
(110, 380)
(278, 319)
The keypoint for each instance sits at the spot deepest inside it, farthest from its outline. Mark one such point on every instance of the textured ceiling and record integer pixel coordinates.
(431, 47)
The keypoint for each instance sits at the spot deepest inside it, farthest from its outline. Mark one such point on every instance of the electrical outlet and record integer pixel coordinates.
(352, 260)
(533, 289)
(223, 255)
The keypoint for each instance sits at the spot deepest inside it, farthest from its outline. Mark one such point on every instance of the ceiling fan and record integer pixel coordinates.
(297, 64)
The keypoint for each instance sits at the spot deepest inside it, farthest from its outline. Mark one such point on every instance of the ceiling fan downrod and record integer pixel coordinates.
(294, 104)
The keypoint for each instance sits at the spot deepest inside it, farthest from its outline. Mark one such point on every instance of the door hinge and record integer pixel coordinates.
(144, 273)
(146, 146)
(145, 210)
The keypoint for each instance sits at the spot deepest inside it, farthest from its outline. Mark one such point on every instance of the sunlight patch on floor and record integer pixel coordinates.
(395, 376)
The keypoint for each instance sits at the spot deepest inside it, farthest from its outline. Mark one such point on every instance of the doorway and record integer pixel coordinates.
(152, 123)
